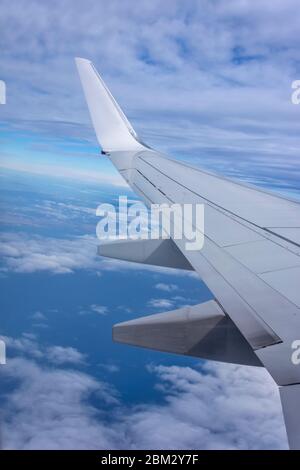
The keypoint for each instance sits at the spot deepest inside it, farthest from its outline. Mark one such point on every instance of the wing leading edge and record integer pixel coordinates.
(250, 259)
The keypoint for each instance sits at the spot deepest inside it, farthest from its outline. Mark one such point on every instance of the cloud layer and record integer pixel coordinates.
(215, 407)
(198, 79)
(24, 254)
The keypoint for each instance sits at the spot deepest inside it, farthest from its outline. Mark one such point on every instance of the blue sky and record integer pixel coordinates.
(206, 82)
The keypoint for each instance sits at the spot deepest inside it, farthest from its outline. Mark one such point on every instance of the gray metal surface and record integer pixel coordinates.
(263, 256)
(252, 204)
(264, 316)
(286, 282)
(291, 234)
(290, 398)
(201, 331)
(154, 252)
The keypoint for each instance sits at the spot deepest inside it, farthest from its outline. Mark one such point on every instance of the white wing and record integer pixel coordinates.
(250, 259)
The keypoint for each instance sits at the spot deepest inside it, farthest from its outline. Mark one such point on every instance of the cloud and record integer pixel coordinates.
(176, 301)
(49, 409)
(210, 82)
(40, 320)
(218, 406)
(64, 355)
(38, 316)
(166, 287)
(31, 336)
(161, 303)
(109, 367)
(94, 308)
(27, 346)
(100, 309)
(59, 256)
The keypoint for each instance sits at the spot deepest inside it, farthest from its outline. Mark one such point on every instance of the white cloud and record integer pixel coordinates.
(38, 316)
(94, 308)
(64, 355)
(28, 347)
(223, 407)
(198, 79)
(49, 409)
(100, 309)
(59, 256)
(161, 303)
(30, 336)
(217, 407)
(124, 309)
(166, 287)
(109, 367)
(176, 301)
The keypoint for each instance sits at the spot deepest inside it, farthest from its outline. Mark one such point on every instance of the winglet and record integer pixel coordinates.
(113, 130)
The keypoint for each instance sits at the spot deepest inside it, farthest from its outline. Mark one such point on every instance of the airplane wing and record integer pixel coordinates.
(250, 259)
